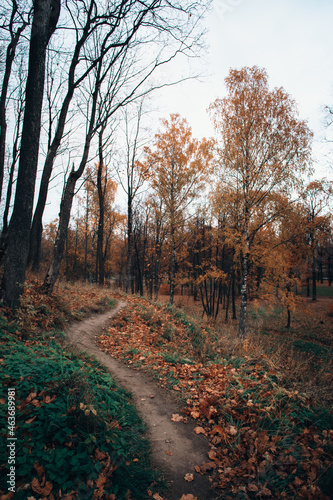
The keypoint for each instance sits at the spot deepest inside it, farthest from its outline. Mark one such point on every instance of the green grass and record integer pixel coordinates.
(312, 348)
(72, 419)
(322, 291)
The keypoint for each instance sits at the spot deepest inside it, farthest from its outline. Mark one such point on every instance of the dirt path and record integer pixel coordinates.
(156, 407)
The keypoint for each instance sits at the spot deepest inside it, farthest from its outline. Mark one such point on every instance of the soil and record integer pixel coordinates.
(175, 447)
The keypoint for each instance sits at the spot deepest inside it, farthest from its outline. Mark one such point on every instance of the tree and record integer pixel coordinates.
(114, 57)
(45, 18)
(264, 150)
(178, 166)
(132, 180)
(316, 198)
(17, 23)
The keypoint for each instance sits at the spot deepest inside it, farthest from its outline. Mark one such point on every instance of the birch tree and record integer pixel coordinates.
(264, 150)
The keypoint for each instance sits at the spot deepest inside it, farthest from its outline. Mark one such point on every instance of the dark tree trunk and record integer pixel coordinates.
(314, 283)
(101, 205)
(233, 295)
(46, 13)
(129, 277)
(289, 318)
(172, 266)
(36, 227)
(10, 54)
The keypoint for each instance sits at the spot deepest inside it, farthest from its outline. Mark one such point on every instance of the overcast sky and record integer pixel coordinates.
(292, 39)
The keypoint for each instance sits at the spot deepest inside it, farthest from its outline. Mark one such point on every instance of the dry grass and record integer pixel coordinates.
(302, 356)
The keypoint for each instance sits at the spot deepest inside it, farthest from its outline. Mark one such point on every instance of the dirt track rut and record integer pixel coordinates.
(156, 407)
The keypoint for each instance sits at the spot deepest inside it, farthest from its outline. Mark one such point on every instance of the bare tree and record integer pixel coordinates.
(18, 21)
(45, 18)
(137, 26)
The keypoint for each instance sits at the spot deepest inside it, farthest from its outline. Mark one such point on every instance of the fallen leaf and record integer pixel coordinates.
(188, 497)
(30, 420)
(195, 414)
(157, 497)
(177, 418)
(199, 430)
(167, 452)
(232, 430)
(188, 477)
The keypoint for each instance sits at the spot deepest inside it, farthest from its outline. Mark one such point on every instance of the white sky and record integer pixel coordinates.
(292, 39)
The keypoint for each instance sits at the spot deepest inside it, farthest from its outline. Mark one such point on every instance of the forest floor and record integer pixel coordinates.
(225, 419)
(176, 449)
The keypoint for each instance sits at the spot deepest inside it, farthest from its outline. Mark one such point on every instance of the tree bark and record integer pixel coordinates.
(172, 265)
(37, 227)
(314, 283)
(46, 14)
(242, 316)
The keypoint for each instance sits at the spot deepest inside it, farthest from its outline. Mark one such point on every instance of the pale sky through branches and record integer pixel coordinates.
(292, 39)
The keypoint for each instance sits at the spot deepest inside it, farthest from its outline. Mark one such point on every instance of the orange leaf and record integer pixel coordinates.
(200, 430)
(177, 418)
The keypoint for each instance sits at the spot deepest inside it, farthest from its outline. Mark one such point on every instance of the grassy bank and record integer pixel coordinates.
(77, 433)
(268, 439)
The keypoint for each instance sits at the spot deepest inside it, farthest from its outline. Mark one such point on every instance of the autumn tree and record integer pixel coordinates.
(178, 166)
(264, 149)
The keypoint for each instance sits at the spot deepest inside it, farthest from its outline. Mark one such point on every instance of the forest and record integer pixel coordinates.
(229, 229)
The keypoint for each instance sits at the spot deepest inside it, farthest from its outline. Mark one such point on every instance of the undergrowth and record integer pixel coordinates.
(267, 438)
(78, 435)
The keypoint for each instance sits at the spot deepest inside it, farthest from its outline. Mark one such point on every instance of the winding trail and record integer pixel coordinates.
(156, 407)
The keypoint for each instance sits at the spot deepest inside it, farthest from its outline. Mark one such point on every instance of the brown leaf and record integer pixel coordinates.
(30, 420)
(188, 477)
(167, 452)
(188, 497)
(157, 497)
(100, 455)
(252, 487)
(100, 481)
(195, 414)
(200, 430)
(176, 417)
(39, 469)
(36, 487)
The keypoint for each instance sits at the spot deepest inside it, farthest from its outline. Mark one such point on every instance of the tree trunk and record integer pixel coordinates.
(233, 295)
(242, 316)
(59, 244)
(46, 13)
(289, 318)
(314, 283)
(129, 277)
(329, 269)
(68, 195)
(173, 266)
(37, 228)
